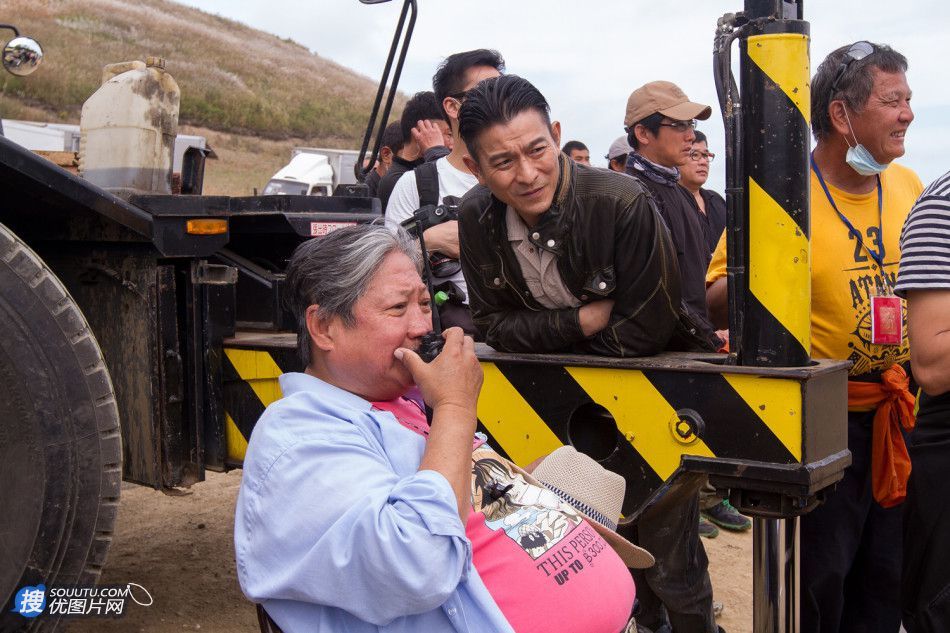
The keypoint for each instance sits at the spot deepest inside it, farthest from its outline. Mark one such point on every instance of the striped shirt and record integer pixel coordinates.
(925, 241)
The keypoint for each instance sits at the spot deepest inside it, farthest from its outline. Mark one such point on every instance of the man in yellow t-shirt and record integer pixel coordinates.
(843, 275)
(850, 557)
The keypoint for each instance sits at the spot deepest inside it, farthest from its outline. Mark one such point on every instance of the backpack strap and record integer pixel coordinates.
(427, 183)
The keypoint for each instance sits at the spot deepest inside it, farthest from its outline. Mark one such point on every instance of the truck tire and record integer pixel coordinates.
(60, 446)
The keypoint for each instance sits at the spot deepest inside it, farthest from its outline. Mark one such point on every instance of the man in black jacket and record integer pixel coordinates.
(557, 256)
(693, 176)
(425, 137)
(564, 257)
(659, 121)
(390, 148)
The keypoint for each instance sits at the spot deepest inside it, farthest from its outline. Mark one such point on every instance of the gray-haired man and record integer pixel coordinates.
(334, 488)
(356, 514)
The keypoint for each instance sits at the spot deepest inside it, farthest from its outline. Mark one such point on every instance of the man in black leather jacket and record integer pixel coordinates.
(563, 257)
(559, 256)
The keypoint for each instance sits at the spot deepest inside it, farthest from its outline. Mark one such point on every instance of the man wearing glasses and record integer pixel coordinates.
(851, 544)
(693, 175)
(449, 176)
(660, 121)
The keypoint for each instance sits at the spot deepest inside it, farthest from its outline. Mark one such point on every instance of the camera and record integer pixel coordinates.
(430, 215)
(430, 346)
(425, 218)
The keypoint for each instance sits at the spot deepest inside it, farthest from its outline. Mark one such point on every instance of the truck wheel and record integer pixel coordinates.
(60, 447)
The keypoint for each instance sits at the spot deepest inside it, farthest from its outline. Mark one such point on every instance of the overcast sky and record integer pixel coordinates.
(587, 56)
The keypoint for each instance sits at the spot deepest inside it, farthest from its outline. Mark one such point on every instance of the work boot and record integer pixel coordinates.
(707, 529)
(727, 517)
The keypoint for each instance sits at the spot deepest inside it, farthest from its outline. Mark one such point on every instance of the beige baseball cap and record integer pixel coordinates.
(667, 99)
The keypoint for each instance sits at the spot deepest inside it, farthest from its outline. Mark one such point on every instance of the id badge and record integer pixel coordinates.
(887, 320)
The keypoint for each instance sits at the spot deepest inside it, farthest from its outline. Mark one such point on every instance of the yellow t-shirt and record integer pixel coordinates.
(843, 276)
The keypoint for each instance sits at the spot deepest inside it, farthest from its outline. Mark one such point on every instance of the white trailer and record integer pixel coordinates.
(64, 137)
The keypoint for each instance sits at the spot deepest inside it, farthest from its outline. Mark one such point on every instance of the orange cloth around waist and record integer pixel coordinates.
(890, 463)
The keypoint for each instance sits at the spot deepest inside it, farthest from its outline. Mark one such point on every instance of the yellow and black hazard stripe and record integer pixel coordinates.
(639, 420)
(777, 101)
(529, 409)
(249, 386)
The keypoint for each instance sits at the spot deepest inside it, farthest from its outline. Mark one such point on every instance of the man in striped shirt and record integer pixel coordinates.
(924, 280)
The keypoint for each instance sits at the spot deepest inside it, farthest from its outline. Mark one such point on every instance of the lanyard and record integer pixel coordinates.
(877, 256)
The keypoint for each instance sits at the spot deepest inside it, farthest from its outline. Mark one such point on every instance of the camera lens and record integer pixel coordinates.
(430, 346)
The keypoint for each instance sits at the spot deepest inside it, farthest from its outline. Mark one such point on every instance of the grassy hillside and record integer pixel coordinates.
(233, 78)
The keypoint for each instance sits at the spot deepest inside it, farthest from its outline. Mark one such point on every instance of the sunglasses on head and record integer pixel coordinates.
(855, 53)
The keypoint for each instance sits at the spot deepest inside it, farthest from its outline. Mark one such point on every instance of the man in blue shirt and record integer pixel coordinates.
(356, 513)
(399, 559)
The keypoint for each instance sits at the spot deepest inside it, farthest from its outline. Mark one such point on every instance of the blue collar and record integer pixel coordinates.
(297, 382)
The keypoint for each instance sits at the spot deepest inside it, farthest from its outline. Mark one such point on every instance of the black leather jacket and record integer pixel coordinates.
(609, 242)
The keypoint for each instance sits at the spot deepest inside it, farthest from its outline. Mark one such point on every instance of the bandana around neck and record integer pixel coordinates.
(668, 176)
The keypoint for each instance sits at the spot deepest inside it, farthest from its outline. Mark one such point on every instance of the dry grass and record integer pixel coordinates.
(232, 78)
(244, 163)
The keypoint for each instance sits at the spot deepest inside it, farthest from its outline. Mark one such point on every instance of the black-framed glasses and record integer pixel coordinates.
(459, 96)
(855, 53)
(698, 155)
(681, 126)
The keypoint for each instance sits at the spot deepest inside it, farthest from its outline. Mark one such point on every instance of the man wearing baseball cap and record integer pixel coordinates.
(659, 122)
(617, 155)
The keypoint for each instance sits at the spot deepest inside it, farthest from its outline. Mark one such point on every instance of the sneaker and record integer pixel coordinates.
(727, 517)
(707, 529)
(717, 608)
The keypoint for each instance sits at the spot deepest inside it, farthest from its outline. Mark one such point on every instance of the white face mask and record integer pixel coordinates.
(859, 158)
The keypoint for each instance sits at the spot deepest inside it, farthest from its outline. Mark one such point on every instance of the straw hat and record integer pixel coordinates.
(592, 490)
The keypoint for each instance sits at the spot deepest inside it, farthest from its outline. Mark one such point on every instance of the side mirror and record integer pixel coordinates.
(22, 55)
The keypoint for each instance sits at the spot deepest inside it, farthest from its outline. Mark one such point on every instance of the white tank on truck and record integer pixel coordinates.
(128, 128)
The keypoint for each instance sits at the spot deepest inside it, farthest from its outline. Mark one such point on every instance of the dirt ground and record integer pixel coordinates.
(180, 549)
